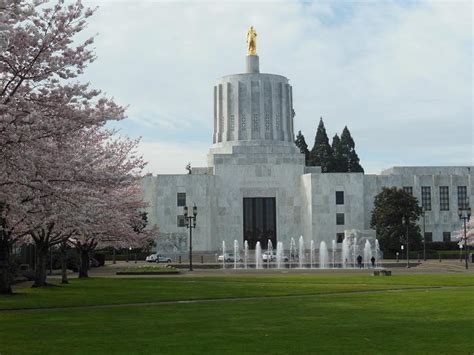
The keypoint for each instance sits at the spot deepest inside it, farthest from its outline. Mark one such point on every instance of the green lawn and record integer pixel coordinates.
(335, 314)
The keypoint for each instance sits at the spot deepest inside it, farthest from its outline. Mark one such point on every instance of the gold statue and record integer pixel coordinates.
(251, 41)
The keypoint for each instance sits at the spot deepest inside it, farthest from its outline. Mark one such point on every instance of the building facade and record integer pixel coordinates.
(256, 185)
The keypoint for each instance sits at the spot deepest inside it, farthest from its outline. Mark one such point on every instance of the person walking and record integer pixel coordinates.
(359, 261)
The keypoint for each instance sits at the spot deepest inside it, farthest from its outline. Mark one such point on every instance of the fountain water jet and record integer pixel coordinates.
(236, 253)
(377, 253)
(311, 254)
(279, 255)
(246, 253)
(301, 253)
(258, 256)
(345, 253)
(333, 254)
(354, 251)
(323, 255)
(367, 254)
(269, 252)
(223, 254)
(292, 251)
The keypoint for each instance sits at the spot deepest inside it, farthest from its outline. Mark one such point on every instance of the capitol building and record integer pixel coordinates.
(256, 186)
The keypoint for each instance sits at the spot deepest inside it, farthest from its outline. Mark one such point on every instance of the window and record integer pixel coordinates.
(462, 197)
(181, 221)
(444, 198)
(181, 197)
(339, 197)
(339, 237)
(426, 197)
(408, 189)
(340, 219)
(428, 237)
(446, 236)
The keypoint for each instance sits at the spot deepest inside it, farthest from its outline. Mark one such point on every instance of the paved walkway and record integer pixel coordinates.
(423, 267)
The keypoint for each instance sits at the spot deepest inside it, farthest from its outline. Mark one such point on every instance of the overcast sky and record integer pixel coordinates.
(397, 73)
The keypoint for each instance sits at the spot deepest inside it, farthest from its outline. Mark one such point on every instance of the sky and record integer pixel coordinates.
(399, 74)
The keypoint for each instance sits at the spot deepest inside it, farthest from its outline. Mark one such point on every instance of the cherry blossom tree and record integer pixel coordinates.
(469, 233)
(63, 177)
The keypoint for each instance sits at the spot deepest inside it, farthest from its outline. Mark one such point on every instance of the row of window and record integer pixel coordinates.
(443, 197)
(426, 197)
(428, 237)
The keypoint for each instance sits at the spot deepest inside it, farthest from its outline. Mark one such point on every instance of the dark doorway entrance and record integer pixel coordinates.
(260, 221)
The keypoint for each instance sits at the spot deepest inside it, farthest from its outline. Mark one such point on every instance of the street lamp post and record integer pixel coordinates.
(407, 221)
(190, 222)
(424, 233)
(464, 214)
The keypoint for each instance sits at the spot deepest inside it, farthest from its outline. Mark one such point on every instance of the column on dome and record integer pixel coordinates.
(287, 113)
(292, 132)
(230, 112)
(284, 111)
(214, 137)
(267, 110)
(242, 104)
(279, 112)
(220, 113)
(255, 109)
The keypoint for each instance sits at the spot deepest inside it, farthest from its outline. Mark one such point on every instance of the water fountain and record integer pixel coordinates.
(311, 254)
(279, 255)
(258, 256)
(301, 253)
(269, 253)
(367, 254)
(354, 251)
(323, 255)
(223, 254)
(292, 251)
(345, 253)
(377, 253)
(236, 253)
(246, 253)
(333, 254)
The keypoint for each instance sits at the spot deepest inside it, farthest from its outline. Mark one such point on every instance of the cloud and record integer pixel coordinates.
(398, 74)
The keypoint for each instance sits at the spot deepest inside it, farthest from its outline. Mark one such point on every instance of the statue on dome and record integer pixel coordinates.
(251, 41)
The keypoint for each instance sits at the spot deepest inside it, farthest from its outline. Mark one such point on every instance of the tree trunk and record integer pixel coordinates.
(41, 259)
(5, 268)
(63, 250)
(84, 264)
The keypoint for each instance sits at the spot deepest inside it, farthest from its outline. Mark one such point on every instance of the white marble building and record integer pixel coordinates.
(256, 185)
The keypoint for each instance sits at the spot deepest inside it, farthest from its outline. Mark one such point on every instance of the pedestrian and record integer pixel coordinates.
(359, 261)
(372, 260)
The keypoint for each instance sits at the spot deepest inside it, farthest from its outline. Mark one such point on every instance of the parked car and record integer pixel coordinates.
(157, 258)
(270, 256)
(227, 257)
(151, 258)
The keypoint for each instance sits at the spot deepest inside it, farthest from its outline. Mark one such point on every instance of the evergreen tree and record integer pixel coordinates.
(321, 154)
(338, 164)
(347, 147)
(301, 144)
(393, 208)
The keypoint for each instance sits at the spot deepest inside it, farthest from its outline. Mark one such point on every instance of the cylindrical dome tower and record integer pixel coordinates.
(253, 107)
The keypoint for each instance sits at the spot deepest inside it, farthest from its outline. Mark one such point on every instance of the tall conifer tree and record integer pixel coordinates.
(303, 147)
(349, 154)
(338, 158)
(321, 154)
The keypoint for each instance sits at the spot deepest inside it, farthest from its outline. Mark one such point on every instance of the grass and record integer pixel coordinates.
(345, 314)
